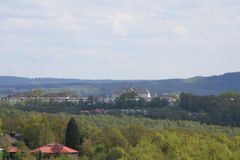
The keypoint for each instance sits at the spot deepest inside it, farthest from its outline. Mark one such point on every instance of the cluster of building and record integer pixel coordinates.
(143, 93)
(17, 99)
(140, 93)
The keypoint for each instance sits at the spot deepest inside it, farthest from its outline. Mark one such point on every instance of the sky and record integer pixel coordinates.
(119, 39)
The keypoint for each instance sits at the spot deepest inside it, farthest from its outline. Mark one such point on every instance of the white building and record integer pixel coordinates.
(141, 93)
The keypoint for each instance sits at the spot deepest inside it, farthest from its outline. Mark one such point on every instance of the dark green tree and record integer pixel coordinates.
(157, 102)
(73, 138)
(127, 100)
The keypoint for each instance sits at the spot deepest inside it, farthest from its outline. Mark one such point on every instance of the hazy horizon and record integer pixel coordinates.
(119, 40)
(119, 79)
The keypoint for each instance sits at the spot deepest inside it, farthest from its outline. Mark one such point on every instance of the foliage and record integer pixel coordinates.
(223, 109)
(87, 147)
(37, 93)
(127, 100)
(125, 137)
(1, 125)
(73, 138)
(158, 102)
(115, 153)
(143, 151)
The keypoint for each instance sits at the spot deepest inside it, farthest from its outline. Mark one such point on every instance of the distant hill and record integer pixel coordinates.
(196, 85)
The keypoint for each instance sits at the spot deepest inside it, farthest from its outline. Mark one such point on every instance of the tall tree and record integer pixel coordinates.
(73, 138)
(45, 131)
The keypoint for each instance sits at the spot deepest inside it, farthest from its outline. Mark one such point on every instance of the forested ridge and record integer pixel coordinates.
(196, 85)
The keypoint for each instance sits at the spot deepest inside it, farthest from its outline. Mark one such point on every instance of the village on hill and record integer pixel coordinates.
(64, 97)
(141, 94)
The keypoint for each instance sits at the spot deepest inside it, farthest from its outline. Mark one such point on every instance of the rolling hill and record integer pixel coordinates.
(197, 85)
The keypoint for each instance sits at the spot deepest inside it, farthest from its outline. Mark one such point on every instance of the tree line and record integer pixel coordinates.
(223, 109)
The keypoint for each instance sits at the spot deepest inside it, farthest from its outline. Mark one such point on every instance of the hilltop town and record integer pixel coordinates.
(58, 97)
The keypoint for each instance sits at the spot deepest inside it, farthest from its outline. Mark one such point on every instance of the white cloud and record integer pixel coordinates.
(46, 3)
(121, 22)
(16, 23)
(106, 36)
(69, 23)
(181, 30)
(2, 8)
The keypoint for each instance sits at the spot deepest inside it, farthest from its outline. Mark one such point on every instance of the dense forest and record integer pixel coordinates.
(163, 131)
(223, 109)
(106, 137)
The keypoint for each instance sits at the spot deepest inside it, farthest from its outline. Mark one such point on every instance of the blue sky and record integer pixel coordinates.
(119, 39)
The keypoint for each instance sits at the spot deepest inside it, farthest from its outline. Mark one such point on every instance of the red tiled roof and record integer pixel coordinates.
(54, 148)
(12, 150)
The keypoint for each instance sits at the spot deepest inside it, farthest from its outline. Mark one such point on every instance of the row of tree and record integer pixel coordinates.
(223, 109)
